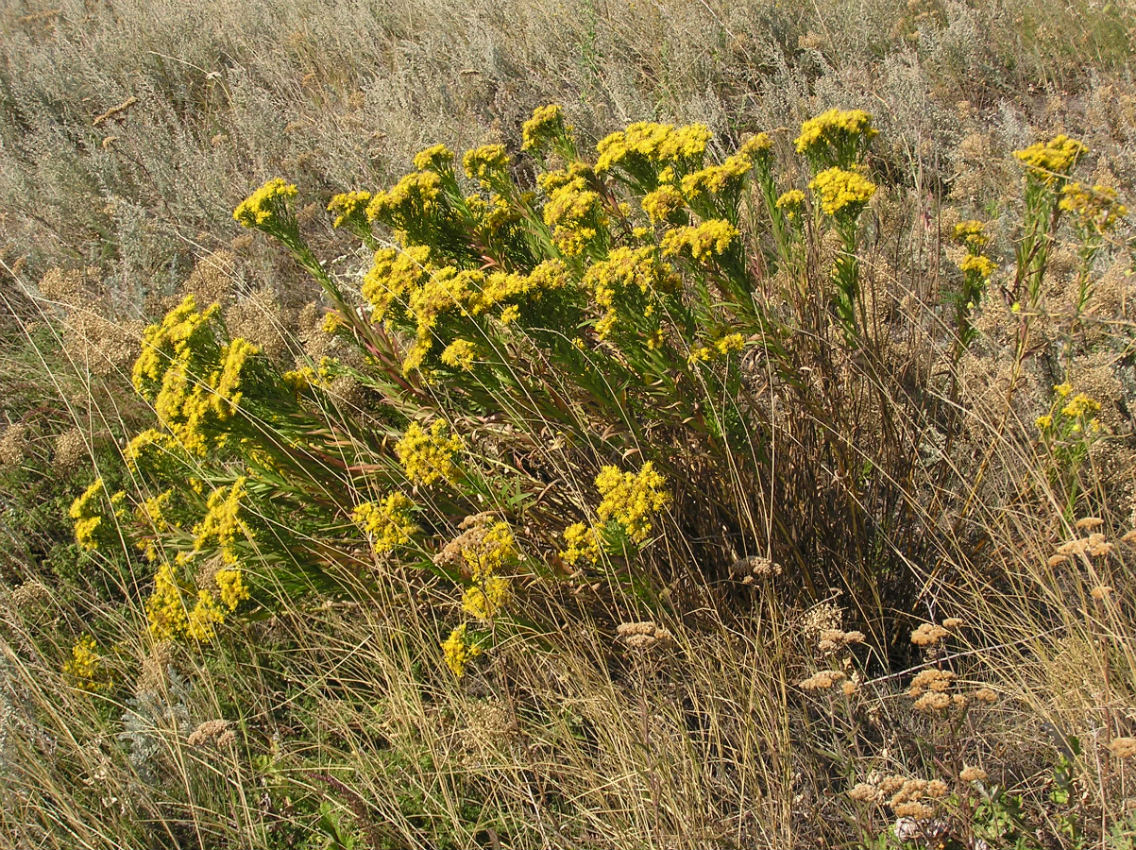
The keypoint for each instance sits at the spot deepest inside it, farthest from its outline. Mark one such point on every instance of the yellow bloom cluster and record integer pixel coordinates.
(436, 158)
(460, 354)
(170, 617)
(1050, 161)
(625, 270)
(487, 597)
(700, 241)
(223, 527)
(393, 276)
(573, 211)
(980, 264)
(388, 524)
(791, 202)
(972, 234)
(149, 450)
(727, 178)
(1096, 208)
(193, 383)
(1080, 405)
(458, 650)
(87, 514)
(412, 198)
(630, 498)
(546, 125)
(231, 587)
(485, 163)
(582, 543)
(652, 143)
(427, 456)
(719, 348)
(663, 203)
(842, 192)
(349, 207)
(834, 135)
(85, 666)
(267, 206)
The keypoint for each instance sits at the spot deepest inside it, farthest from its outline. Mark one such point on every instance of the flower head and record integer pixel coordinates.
(427, 455)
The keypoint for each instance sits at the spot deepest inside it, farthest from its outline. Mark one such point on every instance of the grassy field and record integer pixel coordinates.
(640, 424)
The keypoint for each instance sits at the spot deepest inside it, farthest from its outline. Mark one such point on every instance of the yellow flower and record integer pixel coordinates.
(1063, 389)
(661, 204)
(1044, 423)
(388, 524)
(461, 353)
(223, 526)
(546, 124)
(630, 498)
(700, 241)
(981, 265)
(349, 207)
(231, 587)
(1080, 405)
(201, 622)
(165, 609)
(427, 456)
(458, 651)
(487, 597)
(651, 143)
(573, 211)
(393, 277)
(415, 196)
(267, 206)
(582, 542)
(1096, 208)
(791, 202)
(436, 158)
(1051, 161)
(85, 665)
(835, 137)
(842, 192)
(486, 162)
(972, 234)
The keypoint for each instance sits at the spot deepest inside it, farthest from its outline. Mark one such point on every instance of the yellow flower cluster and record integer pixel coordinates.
(149, 450)
(487, 597)
(835, 135)
(724, 179)
(652, 143)
(630, 498)
(791, 203)
(231, 587)
(223, 526)
(573, 211)
(979, 264)
(388, 524)
(436, 158)
(193, 383)
(663, 203)
(169, 616)
(349, 207)
(972, 234)
(1096, 208)
(461, 354)
(486, 163)
(582, 543)
(267, 206)
(1080, 405)
(546, 125)
(458, 650)
(842, 192)
(701, 241)
(1050, 161)
(626, 270)
(85, 666)
(412, 198)
(393, 276)
(427, 455)
(719, 348)
(87, 514)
